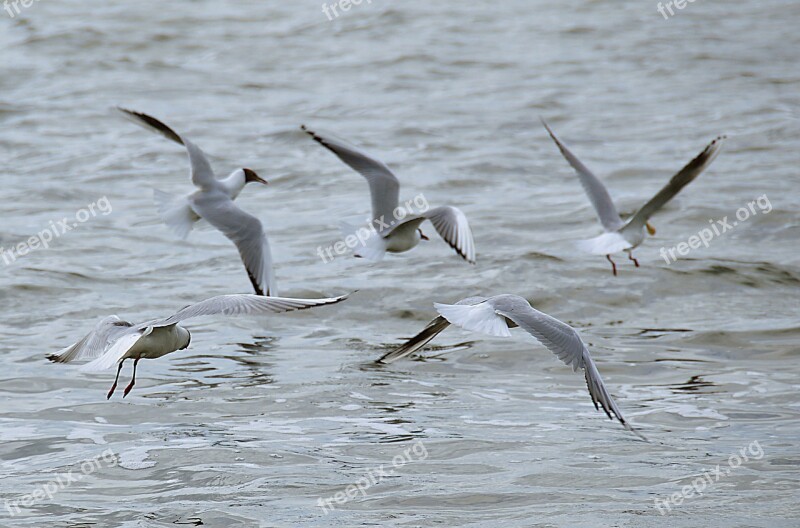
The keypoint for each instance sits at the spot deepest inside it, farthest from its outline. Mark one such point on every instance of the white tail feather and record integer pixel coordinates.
(176, 212)
(114, 354)
(370, 245)
(605, 244)
(475, 318)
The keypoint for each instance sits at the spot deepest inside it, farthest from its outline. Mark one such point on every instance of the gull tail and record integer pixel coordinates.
(605, 244)
(480, 318)
(176, 212)
(370, 245)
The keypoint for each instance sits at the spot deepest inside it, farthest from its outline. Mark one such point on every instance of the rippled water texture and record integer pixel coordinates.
(261, 418)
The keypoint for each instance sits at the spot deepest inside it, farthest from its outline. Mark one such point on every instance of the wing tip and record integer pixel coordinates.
(388, 358)
(150, 122)
(609, 408)
(316, 137)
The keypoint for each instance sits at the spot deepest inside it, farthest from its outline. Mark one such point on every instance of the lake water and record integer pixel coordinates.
(261, 418)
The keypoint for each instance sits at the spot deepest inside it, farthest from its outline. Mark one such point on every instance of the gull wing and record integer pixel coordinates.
(384, 187)
(246, 232)
(201, 171)
(678, 182)
(595, 190)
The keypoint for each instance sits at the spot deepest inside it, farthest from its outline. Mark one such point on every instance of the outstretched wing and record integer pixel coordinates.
(678, 182)
(383, 185)
(597, 192)
(563, 341)
(452, 226)
(246, 232)
(560, 338)
(95, 342)
(244, 304)
(201, 172)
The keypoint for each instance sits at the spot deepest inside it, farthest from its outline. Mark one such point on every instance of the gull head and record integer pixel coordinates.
(650, 228)
(188, 340)
(250, 176)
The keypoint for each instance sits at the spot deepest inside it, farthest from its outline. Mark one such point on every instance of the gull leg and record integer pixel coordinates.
(133, 379)
(114, 386)
(613, 266)
(630, 257)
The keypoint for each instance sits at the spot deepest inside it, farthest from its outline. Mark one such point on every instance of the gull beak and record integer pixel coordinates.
(422, 235)
(651, 229)
(251, 176)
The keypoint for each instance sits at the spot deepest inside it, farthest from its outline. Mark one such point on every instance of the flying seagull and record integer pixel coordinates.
(495, 315)
(113, 340)
(393, 233)
(213, 202)
(621, 235)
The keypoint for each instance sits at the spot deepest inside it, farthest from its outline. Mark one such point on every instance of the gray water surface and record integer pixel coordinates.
(262, 418)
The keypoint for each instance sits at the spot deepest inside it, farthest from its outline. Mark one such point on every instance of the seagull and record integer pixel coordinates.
(621, 235)
(213, 202)
(114, 340)
(494, 316)
(394, 231)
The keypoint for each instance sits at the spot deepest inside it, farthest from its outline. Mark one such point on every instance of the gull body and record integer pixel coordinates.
(404, 238)
(494, 316)
(161, 340)
(393, 234)
(621, 235)
(113, 341)
(213, 201)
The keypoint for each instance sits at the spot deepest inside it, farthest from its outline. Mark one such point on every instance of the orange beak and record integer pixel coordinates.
(651, 229)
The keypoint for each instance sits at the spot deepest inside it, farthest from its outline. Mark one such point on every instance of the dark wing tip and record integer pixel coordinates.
(460, 251)
(609, 409)
(340, 298)
(257, 286)
(316, 137)
(141, 118)
(715, 142)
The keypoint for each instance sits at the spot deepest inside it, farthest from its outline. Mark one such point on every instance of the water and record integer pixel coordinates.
(262, 418)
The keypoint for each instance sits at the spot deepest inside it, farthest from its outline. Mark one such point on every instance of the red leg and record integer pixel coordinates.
(613, 266)
(114, 386)
(630, 256)
(133, 379)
